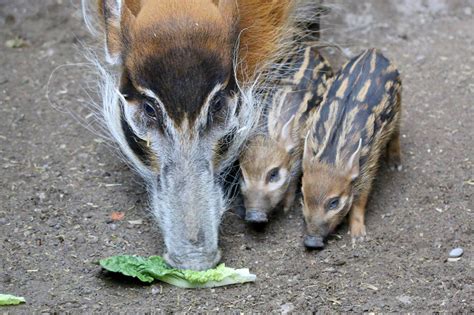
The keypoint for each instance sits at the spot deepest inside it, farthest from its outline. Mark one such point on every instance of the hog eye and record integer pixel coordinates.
(273, 175)
(149, 110)
(217, 103)
(333, 204)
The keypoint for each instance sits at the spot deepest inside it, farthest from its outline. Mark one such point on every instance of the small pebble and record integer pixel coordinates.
(287, 308)
(404, 299)
(456, 252)
(93, 239)
(136, 222)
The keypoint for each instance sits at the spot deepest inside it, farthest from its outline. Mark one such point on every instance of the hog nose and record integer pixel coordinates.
(193, 261)
(313, 242)
(256, 216)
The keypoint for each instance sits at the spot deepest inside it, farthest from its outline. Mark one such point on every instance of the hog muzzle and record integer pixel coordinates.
(193, 261)
(188, 205)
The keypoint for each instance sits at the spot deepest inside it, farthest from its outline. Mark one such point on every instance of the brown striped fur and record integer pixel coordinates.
(356, 123)
(278, 148)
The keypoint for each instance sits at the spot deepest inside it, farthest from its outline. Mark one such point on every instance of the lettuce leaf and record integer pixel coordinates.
(7, 299)
(155, 268)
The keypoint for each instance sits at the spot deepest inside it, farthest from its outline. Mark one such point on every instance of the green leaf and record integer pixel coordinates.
(16, 42)
(155, 268)
(7, 299)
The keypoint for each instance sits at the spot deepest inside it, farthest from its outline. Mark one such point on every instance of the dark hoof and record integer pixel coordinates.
(313, 242)
(256, 216)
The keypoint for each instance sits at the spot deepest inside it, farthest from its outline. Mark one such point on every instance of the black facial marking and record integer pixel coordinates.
(183, 78)
(137, 145)
(126, 87)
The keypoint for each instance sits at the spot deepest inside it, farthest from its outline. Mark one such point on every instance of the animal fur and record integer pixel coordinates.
(271, 161)
(182, 95)
(358, 121)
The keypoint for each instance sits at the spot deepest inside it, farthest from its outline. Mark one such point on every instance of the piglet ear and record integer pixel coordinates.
(115, 15)
(286, 135)
(353, 165)
(307, 152)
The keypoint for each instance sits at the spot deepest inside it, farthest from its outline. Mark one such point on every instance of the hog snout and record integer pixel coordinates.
(314, 242)
(193, 260)
(189, 204)
(256, 216)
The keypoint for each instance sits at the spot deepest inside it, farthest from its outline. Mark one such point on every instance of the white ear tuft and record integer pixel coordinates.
(353, 165)
(286, 135)
(112, 59)
(111, 13)
(307, 152)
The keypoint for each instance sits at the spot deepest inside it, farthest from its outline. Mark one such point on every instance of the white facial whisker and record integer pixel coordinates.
(202, 118)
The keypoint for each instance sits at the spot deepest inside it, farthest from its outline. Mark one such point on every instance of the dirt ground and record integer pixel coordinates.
(59, 182)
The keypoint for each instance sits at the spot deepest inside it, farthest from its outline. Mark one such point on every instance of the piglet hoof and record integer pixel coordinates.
(256, 216)
(357, 240)
(395, 163)
(396, 167)
(313, 242)
(358, 234)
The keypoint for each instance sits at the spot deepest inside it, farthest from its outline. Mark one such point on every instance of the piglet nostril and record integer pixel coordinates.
(256, 216)
(313, 242)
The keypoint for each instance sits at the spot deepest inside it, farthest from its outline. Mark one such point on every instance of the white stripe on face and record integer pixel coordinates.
(283, 173)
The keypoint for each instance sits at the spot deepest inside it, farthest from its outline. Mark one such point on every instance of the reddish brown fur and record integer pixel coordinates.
(326, 182)
(260, 22)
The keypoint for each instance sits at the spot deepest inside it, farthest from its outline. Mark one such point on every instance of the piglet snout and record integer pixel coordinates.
(256, 216)
(313, 242)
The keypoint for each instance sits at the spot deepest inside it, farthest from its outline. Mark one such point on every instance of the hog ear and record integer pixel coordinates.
(286, 135)
(353, 165)
(115, 14)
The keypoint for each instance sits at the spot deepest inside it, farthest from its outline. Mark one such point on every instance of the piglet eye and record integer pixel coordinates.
(273, 175)
(149, 110)
(333, 203)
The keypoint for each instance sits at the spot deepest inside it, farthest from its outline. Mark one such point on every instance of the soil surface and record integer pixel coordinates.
(60, 182)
